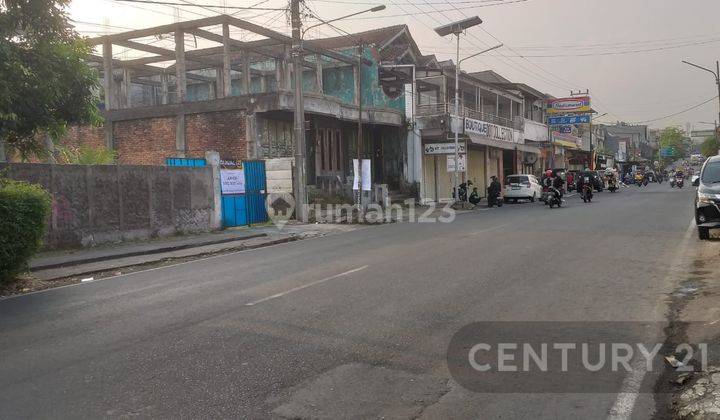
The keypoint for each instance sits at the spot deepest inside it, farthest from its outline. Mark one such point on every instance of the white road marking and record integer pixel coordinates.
(305, 286)
(477, 232)
(625, 402)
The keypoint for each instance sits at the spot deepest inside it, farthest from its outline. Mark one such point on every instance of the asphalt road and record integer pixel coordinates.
(343, 325)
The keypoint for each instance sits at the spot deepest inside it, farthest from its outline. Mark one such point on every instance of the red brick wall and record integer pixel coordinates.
(84, 135)
(145, 142)
(222, 131)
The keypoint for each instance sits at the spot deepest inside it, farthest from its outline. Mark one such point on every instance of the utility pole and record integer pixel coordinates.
(299, 175)
(716, 74)
(361, 206)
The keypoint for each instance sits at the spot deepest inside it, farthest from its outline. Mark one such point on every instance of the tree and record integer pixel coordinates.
(45, 83)
(86, 155)
(674, 138)
(709, 147)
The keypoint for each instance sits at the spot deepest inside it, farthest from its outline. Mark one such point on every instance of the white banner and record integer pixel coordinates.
(451, 163)
(443, 148)
(492, 131)
(232, 181)
(366, 175)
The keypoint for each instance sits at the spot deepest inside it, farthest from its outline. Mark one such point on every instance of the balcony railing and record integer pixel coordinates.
(426, 110)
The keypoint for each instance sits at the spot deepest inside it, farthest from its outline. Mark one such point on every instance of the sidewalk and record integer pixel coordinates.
(110, 258)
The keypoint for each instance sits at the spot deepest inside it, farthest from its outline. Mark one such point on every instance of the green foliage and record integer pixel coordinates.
(45, 83)
(674, 137)
(709, 147)
(24, 209)
(86, 155)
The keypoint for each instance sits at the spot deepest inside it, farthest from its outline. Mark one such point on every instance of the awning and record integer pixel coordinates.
(566, 144)
(485, 141)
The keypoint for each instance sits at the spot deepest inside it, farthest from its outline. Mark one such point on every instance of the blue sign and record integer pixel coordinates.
(667, 152)
(569, 120)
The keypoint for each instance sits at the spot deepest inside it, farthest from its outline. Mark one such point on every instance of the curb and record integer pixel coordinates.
(196, 256)
(138, 253)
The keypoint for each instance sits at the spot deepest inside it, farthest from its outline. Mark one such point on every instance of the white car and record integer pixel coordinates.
(522, 187)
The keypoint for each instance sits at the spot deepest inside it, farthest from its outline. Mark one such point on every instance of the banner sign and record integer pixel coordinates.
(579, 105)
(667, 152)
(232, 181)
(569, 120)
(443, 148)
(567, 129)
(451, 163)
(566, 139)
(492, 131)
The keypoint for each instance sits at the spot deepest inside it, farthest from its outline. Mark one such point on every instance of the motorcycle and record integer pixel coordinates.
(672, 182)
(612, 185)
(494, 200)
(463, 191)
(679, 182)
(587, 193)
(553, 198)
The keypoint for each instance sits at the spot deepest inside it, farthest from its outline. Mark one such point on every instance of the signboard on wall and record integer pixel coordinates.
(577, 105)
(569, 120)
(451, 163)
(443, 148)
(492, 131)
(232, 181)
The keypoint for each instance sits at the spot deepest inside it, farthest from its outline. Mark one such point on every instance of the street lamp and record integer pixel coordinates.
(456, 28)
(716, 74)
(299, 114)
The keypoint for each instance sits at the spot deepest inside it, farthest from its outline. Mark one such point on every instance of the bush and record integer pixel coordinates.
(24, 210)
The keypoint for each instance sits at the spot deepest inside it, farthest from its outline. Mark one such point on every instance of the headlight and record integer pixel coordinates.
(704, 198)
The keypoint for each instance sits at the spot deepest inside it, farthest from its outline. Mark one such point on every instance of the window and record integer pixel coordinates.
(711, 173)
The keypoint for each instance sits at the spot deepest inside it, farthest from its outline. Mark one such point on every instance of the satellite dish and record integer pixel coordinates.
(531, 158)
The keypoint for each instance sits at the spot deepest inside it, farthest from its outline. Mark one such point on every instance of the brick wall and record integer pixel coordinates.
(84, 135)
(146, 141)
(222, 131)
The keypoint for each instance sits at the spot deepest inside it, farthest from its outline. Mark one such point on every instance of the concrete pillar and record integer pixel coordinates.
(253, 140)
(127, 87)
(109, 140)
(3, 156)
(246, 81)
(180, 141)
(280, 83)
(319, 73)
(226, 77)
(219, 83)
(497, 105)
(108, 75)
(164, 89)
(213, 160)
(180, 79)
(50, 148)
(356, 80)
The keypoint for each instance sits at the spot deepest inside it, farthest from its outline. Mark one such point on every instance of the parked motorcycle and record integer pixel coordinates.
(495, 200)
(554, 198)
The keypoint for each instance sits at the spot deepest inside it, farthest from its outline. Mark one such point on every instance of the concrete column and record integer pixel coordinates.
(252, 138)
(180, 141)
(3, 156)
(226, 76)
(219, 83)
(279, 74)
(246, 83)
(180, 79)
(497, 105)
(319, 73)
(356, 80)
(108, 75)
(286, 69)
(164, 89)
(213, 160)
(127, 87)
(109, 138)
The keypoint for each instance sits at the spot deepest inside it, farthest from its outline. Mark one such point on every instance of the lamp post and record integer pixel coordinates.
(716, 74)
(456, 28)
(300, 163)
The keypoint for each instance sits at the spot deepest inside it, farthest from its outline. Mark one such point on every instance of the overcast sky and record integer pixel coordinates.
(566, 44)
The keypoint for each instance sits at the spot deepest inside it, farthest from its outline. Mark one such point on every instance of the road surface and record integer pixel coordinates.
(355, 324)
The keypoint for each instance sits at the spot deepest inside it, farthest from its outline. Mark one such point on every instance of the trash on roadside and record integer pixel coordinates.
(681, 379)
(87, 279)
(674, 362)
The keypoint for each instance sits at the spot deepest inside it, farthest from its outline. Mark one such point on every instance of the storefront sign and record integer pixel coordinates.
(569, 120)
(579, 105)
(232, 181)
(451, 163)
(443, 148)
(493, 131)
(567, 140)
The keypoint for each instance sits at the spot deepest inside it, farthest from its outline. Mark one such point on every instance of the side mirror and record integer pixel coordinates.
(695, 181)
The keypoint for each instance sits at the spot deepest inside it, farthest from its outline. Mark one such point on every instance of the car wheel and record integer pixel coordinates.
(703, 233)
(507, 200)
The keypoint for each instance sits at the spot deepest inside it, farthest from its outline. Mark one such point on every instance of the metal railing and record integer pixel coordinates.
(444, 108)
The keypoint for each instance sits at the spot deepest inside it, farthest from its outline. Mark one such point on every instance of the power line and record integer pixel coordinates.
(679, 112)
(188, 4)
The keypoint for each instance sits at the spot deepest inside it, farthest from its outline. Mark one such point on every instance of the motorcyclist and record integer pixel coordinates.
(493, 190)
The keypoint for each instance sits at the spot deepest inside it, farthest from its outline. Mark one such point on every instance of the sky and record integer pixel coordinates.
(627, 53)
